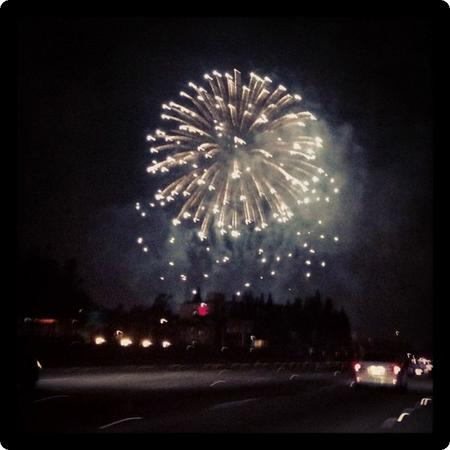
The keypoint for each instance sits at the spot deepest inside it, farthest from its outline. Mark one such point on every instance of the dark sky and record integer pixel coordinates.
(90, 91)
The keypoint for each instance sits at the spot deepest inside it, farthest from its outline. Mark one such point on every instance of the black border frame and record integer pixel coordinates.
(11, 11)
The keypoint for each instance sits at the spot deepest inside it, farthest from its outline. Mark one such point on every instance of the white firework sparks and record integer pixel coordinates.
(239, 154)
(236, 158)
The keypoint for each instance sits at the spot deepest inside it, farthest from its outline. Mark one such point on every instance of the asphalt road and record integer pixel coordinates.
(246, 399)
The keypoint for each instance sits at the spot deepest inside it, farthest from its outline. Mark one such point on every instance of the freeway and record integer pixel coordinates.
(136, 399)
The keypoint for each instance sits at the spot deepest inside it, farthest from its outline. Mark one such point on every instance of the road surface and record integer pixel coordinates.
(245, 399)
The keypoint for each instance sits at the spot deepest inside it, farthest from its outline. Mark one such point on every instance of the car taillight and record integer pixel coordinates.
(396, 369)
(357, 367)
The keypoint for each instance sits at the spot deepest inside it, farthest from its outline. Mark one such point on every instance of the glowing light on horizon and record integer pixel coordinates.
(146, 343)
(125, 342)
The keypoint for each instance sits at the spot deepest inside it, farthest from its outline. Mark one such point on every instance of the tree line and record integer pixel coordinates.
(310, 324)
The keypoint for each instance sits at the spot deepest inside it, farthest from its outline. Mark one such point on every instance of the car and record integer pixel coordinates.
(381, 369)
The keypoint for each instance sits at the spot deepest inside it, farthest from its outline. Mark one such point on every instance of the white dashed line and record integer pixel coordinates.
(50, 398)
(127, 419)
(391, 421)
(216, 382)
(232, 404)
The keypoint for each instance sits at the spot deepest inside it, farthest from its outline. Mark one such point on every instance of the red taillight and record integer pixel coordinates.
(357, 367)
(396, 369)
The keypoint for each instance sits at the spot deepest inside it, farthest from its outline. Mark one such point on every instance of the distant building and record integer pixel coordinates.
(209, 323)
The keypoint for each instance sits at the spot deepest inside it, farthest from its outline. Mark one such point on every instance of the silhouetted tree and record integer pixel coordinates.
(47, 288)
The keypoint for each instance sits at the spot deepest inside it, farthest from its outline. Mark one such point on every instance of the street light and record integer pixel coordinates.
(99, 340)
(125, 341)
(146, 343)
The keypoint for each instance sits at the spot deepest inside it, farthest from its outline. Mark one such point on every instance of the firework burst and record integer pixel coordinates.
(238, 158)
(237, 155)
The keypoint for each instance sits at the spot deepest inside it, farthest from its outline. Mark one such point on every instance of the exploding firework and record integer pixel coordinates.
(240, 155)
(239, 158)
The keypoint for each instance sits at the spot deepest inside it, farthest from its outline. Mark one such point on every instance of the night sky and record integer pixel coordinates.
(91, 90)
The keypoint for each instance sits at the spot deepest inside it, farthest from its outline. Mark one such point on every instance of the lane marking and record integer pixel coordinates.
(402, 416)
(391, 421)
(127, 419)
(50, 398)
(232, 404)
(293, 376)
(216, 382)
